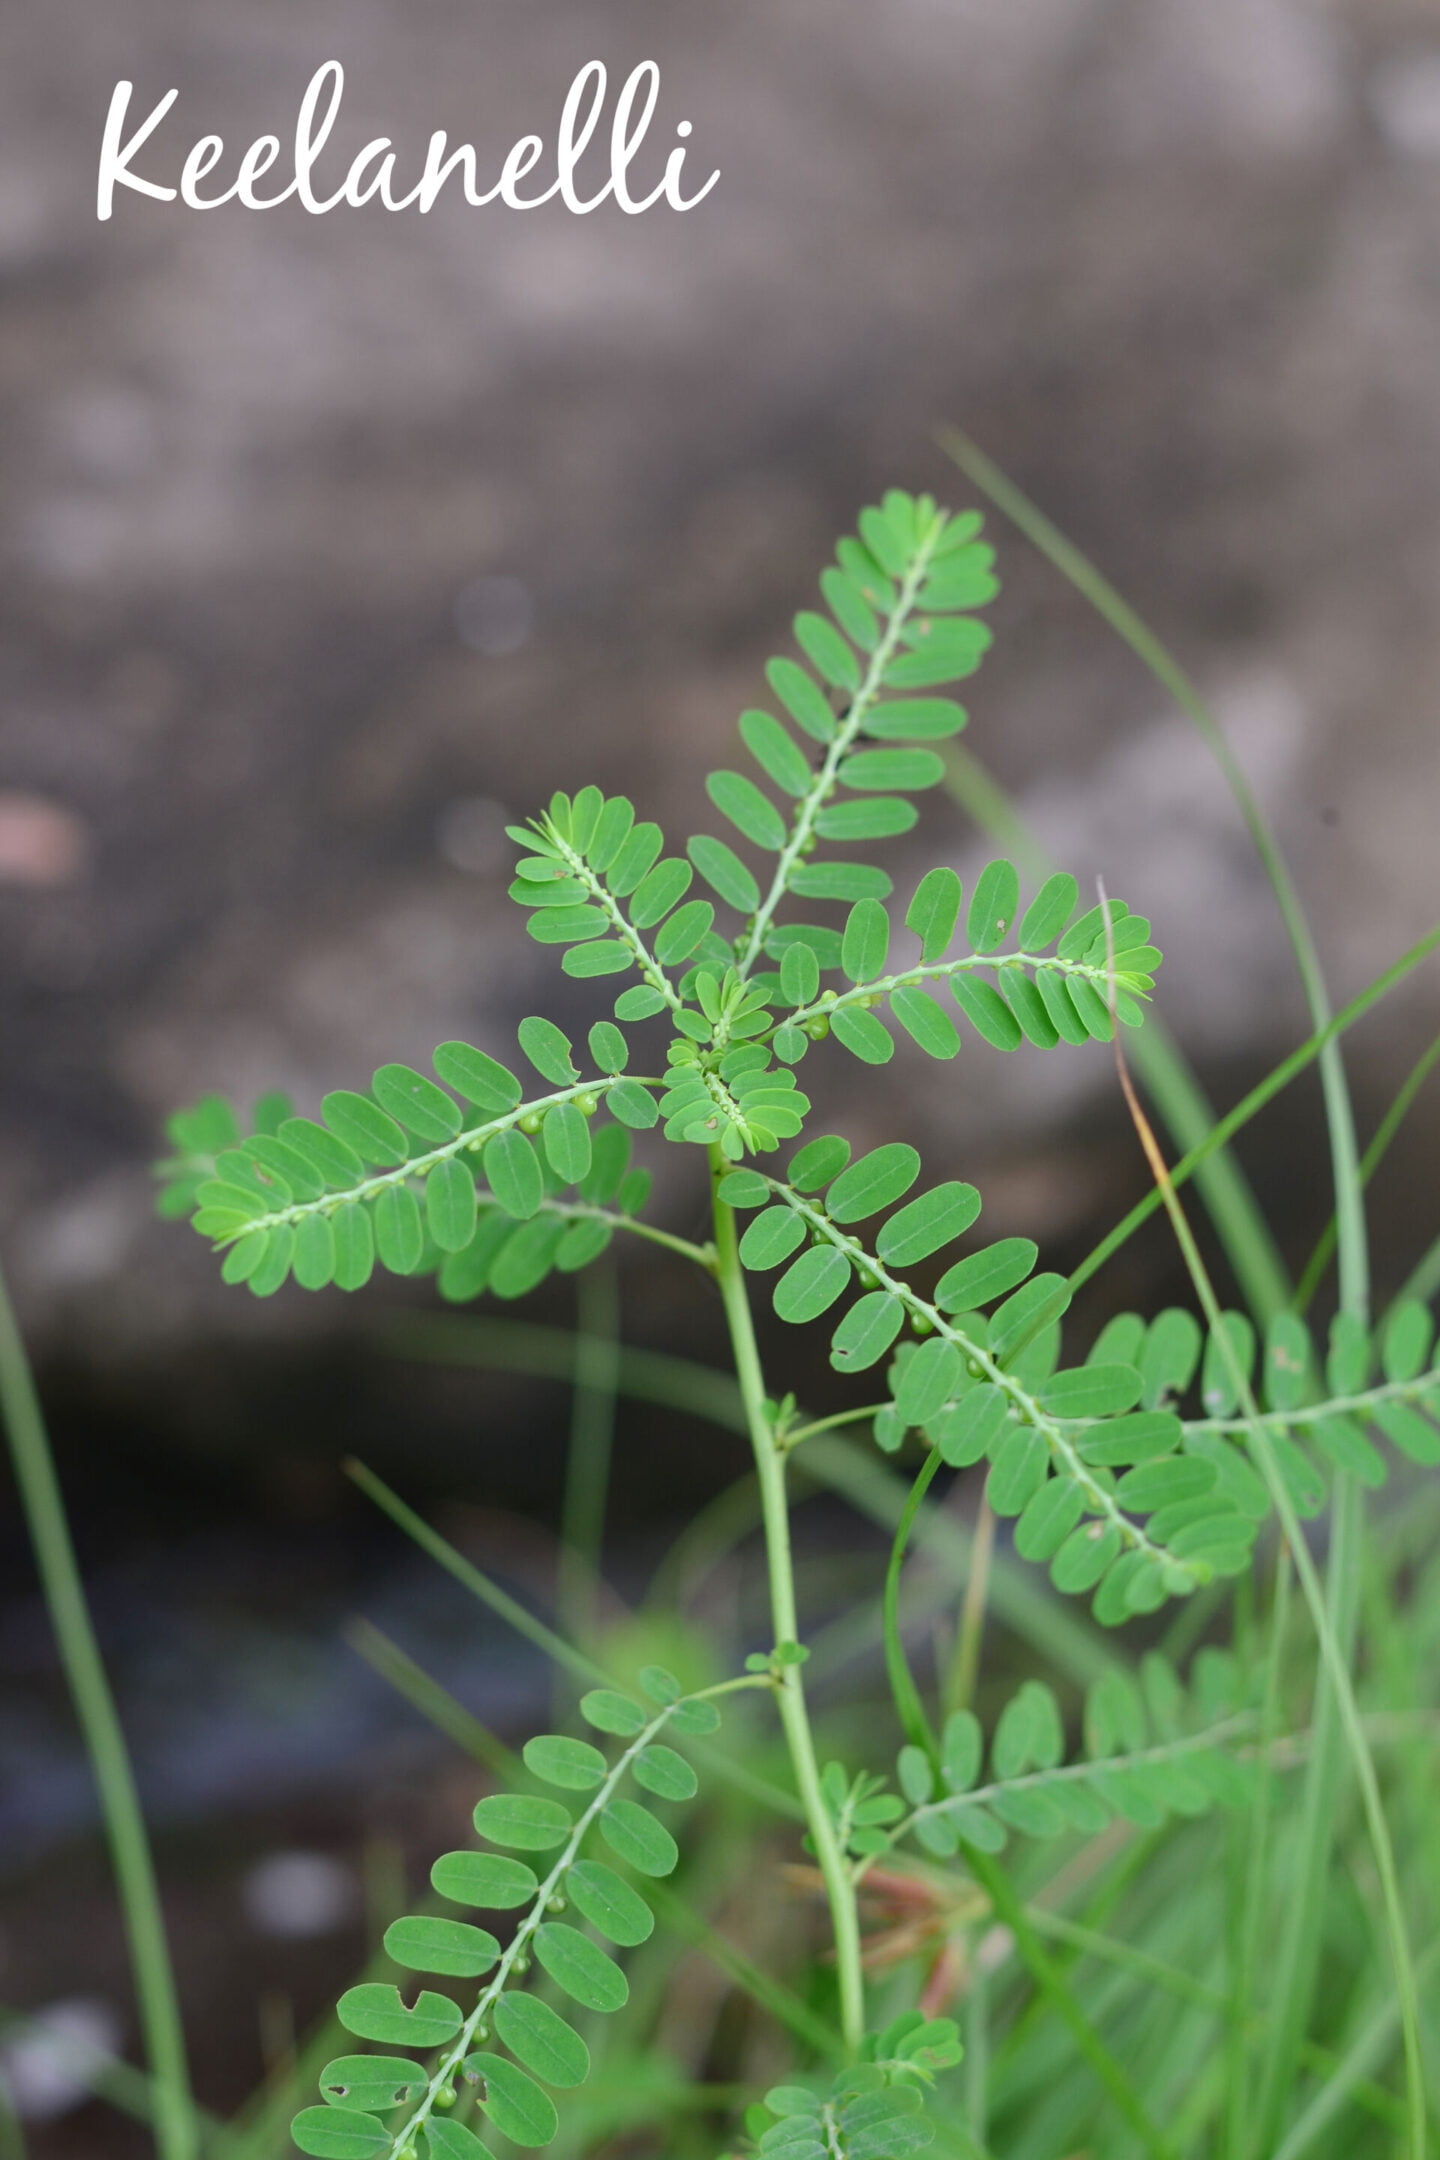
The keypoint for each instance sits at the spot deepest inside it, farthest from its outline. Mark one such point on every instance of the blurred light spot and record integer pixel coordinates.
(40, 843)
(494, 615)
(995, 1946)
(470, 834)
(50, 2067)
(297, 1894)
(1405, 98)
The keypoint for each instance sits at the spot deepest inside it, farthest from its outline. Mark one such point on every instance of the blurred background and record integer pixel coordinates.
(332, 544)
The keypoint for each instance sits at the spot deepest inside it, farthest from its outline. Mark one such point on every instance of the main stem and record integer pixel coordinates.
(174, 2116)
(789, 1687)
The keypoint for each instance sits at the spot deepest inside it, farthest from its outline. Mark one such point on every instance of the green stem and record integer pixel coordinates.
(906, 1696)
(789, 1687)
(40, 1496)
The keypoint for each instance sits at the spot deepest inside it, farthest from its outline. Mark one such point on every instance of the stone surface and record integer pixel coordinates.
(328, 543)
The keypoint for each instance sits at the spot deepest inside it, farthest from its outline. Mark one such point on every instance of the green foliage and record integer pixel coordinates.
(1141, 1471)
(1152, 1752)
(873, 2111)
(542, 2047)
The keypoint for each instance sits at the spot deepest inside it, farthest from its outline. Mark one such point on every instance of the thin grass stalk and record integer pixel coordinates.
(1336, 1700)
(1244, 1234)
(175, 2124)
(1313, 1272)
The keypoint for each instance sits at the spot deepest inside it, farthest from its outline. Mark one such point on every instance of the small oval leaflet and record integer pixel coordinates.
(988, 1013)
(1034, 1307)
(354, 1246)
(484, 1880)
(453, 1947)
(609, 1903)
(338, 1164)
(338, 2134)
(399, 1232)
(773, 747)
(480, 1079)
(985, 1275)
(367, 1128)
(866, 1332)
(524, 1821)
(930, 1375)
(828, 652)
(771, 1237)
(695, 1718)
(922, 1226)
(818, 1162)
(512, 1171)
(450, 1204)
(1049, 912)
(608, 1047)
(724, 872)
(447, 2139)
(811, 1284)
(548, 1050)
(375, 2011)
(540, 2038)
(515, 2104)
(1018, 1470)
(371, 2081)
(632, 1104)
(660, 1770)
(752, 813)
(907, 769)
(865, 943)
(580, 1967)
(416, 1103)
(527, 1256)
(611, 1712)
(969, 1431)
(925, 1021)
(633, 1833)
(994, 905)
(1092, 1391)
(565, 1136)
(314, 1257)
(874, 1182)
(573, 1764)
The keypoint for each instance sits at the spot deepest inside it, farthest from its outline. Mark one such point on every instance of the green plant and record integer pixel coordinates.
(1127, 2013)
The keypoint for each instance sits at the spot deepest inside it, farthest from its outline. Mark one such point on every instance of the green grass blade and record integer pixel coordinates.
(549, 1353)
(903, 1692)
(1366, 2053)
(1148, 649)
(1188, 1116)
(1250, 1105)
(175, 2121)
(1314, 1269)
(1051, 1983)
